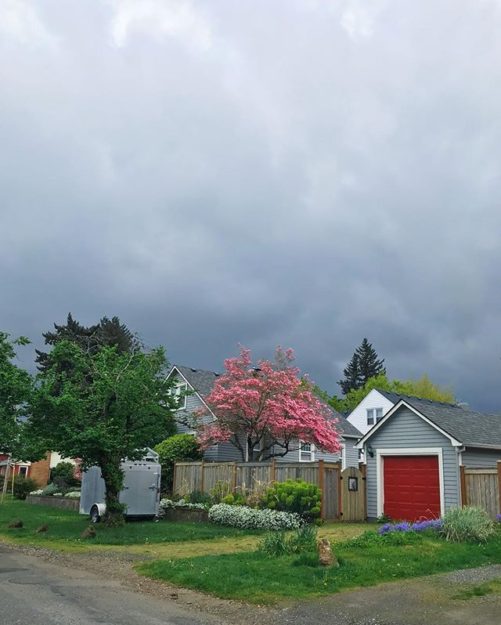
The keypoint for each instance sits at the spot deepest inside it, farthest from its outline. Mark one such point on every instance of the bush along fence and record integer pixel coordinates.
(482, 488)
(343, 492)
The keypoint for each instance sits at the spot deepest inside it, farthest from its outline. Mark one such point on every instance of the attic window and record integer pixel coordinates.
(178, 392)
(374, 415)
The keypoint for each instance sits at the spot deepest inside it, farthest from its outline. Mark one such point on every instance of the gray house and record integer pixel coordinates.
(200, 384)
(414, 456)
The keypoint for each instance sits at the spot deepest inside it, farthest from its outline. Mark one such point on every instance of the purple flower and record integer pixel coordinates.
(498, 518)
(418, 526)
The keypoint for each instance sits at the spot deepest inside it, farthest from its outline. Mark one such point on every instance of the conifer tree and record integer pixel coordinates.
(364, 364)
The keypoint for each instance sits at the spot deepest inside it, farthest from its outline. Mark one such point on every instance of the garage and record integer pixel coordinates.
(411, 487)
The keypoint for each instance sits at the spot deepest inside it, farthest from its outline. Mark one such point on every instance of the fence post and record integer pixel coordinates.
(273, 470)
(202, 477)
(174, 484)
(321, 485)
(235, 477)
(499, 484)
(339, 491)
(363, 471)
(464, 494)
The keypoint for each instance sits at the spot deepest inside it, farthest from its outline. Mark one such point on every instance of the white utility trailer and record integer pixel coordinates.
(140, 494)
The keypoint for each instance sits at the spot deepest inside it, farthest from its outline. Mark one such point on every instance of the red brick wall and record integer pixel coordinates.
(39, 471)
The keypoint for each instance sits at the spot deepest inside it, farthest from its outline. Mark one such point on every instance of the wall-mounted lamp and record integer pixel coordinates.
(370, 451)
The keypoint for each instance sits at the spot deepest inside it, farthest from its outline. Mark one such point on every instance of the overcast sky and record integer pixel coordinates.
(294, 172)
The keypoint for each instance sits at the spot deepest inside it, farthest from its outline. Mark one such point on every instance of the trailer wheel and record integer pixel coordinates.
(94, 515)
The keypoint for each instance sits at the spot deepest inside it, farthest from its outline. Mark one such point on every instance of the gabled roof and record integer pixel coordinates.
(200, 380)
(468, 427)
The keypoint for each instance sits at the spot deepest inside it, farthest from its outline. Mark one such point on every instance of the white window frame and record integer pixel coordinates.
(310, 452)
(407, 451)
(176, 392)
(372, 413)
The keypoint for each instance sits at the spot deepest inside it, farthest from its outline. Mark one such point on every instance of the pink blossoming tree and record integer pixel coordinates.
(265, 411)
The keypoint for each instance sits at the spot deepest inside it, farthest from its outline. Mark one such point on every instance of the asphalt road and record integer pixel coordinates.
(33, 592)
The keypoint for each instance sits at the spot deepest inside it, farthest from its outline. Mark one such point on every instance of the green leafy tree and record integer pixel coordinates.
(103, 406)
(363, 366)
(63, 475)
(15, 390)
(177, 448)
(423, 388)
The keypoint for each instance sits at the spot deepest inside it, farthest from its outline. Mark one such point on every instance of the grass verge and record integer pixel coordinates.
(65, 526)
(256, 578)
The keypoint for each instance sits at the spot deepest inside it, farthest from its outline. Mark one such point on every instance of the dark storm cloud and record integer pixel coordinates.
(302, 173)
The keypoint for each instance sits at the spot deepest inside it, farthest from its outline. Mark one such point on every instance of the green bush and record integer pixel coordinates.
(303, 540)
(235, 499)
(63, 476)
(177, 448)
(467, 524)
(23, 486)
(294, 496)
(197, 496)
(50, 489)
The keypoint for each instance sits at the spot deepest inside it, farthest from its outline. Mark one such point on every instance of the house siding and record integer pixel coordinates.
(406, 430)
(475, 458)
(351, 452)
(374, 399)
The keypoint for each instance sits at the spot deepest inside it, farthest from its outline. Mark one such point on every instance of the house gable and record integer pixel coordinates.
(373, 400)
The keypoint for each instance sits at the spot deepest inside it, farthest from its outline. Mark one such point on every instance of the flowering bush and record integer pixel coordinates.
(249, 518)
(294, 496)
(73, 494)
(167, 504)
(39, 491)
(418, 526)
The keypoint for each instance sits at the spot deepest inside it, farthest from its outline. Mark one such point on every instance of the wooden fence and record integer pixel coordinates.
(338, 500)
(482, 487)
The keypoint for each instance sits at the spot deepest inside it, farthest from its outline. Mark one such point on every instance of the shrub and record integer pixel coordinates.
(23, 486)
(177, 448)
(73, 494)
(249, 518)
(235, 499)
(166, 504)
(198, 496)
(63, 475)
(220, 491)
(302, 540)
(50, 489)
(467, 524)
(294, 496)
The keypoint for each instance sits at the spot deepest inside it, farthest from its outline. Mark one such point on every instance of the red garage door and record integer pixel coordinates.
(411, 487)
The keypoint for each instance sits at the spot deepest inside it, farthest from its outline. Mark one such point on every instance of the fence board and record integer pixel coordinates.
(353, 501)
(482, 489)
(255, 477)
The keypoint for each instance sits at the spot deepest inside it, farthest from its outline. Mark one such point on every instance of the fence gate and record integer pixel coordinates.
(482, 489)
(353, 494)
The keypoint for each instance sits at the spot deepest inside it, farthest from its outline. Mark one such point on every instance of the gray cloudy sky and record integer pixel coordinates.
(294, 172)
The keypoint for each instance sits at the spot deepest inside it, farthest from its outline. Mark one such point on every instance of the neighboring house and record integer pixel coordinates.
(414, 454)
(372, 409)
(201, 382)
(38, 471)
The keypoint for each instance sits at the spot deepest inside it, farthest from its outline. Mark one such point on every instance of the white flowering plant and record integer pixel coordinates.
(73, 494)
(39, 491)
(169, 504)
(244, 517)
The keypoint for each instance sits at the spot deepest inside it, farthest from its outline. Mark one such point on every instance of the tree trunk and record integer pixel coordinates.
(113, 483)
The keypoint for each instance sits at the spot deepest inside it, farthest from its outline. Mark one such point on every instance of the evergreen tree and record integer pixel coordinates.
(369, 366)
(351, 375)
(106, 333)
(364, 364)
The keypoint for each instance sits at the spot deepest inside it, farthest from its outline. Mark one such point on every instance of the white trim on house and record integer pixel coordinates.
(191, 387)
(391, 412)
(310, 452)
(343, 456)
(407, 451)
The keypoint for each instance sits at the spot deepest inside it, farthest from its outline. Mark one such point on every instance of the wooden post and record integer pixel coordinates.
(363, 471)
(499, 484)
(174, 490)
(234, 477)
(339, 491)
(464, 494)
(321, 485)
(202, 477)
(273, 470)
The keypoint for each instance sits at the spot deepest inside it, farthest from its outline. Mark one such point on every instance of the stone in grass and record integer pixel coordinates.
(325, 555)
(43, 528)
(17, 523)
(89, 532)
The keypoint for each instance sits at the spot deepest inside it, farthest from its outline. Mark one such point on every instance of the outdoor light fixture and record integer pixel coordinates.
(370, 451)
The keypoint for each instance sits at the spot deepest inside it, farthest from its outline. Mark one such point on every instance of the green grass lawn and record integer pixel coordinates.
(257, 578)
(66, 526)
